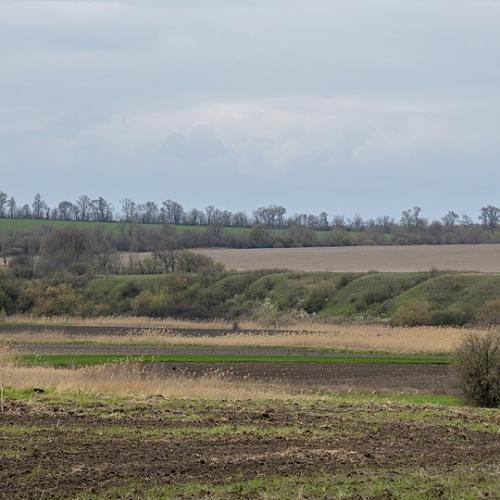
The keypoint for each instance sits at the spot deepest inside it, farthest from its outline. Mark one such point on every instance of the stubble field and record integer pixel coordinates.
(481, 258)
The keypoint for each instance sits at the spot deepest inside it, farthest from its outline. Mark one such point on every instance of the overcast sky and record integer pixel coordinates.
(348, 106)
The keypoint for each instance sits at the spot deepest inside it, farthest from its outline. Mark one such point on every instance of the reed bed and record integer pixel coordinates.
(372, 338)
(131, 379)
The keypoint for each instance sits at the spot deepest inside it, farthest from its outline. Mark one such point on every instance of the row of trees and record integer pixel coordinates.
(273, 216)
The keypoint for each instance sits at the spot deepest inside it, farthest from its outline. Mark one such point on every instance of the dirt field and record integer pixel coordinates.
(481, 258)
(121, 449)
(357, 377)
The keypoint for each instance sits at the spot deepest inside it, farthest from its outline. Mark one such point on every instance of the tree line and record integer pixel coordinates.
(273, 216)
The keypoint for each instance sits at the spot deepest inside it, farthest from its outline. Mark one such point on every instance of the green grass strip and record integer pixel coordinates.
(95, 359)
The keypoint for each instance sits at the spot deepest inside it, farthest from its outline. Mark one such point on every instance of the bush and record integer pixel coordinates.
(478, 369)
(413, 313)
(59, 300)
(489, 314)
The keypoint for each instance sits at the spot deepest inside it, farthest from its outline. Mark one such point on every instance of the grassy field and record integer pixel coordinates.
(30, 225)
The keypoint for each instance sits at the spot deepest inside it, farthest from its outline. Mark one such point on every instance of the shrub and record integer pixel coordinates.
(58, 300)
(412, 313)
(318, 297)
(478, 369)
(150, 304)
(489, 314)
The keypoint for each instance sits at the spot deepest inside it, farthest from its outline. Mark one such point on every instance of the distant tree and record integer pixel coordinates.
(490, 217)
(338, 221)
(173, 212)
(195, 217)
(102, 211)
(209, 211)
(39, 207)
(65, 210)
(129, 209)
(11, 207)
(165, 249)
(149, 212)
(25, 212)
(466, 220)
(323, 221)
(84, 204)
(240, 219)
(3, 204)
(450, 219)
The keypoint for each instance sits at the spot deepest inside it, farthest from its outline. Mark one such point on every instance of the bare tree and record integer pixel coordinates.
(12, 207)
(102, 210)
(490, 217)
(129, 209)
(65, 210)
(173, 212)
(450, 219)
(3, 204)
(323, 220)
(166, 248)
(39, 207)
(84, 204)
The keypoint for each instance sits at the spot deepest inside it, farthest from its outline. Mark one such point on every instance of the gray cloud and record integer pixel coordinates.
(351, 107)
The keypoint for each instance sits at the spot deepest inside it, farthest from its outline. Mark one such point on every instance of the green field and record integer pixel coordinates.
(96, 359)
(31, 225)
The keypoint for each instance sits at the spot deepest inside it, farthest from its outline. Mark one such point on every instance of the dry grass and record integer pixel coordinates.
(129, 379)
(127, 322)
(373, 338)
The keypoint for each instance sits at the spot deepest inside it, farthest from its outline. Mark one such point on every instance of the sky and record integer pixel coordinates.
(347, 106)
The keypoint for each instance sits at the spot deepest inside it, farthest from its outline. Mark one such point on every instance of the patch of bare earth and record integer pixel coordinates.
(70, 451)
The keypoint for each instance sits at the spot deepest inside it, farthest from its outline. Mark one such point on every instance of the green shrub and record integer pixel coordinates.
(147, 303)
(58, 300)
(478, 369)
(489, 314)
(413, 313)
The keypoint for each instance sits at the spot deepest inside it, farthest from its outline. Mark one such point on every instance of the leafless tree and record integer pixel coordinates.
(129, 209)
(84, 204)
(12, 207)
(3, 204)
(39, 207)
(490, 216)
(166, 248)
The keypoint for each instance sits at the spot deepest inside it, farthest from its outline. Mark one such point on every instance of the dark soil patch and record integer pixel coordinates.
(62, 460)
(396, 378)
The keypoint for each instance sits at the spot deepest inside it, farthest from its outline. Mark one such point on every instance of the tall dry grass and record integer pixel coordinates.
(130, 379)
(374, 338)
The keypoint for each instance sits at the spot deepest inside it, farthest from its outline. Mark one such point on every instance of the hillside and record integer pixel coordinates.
(398, 298)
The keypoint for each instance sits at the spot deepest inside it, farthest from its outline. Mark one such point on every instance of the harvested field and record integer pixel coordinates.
(480, 258)
(56, 447)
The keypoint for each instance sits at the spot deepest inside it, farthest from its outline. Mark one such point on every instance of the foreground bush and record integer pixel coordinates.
(478, 369)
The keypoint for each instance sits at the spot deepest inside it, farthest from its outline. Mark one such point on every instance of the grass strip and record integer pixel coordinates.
(96, 359)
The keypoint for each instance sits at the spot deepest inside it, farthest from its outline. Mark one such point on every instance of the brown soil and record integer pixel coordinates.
(357, 376)
(69, 453)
